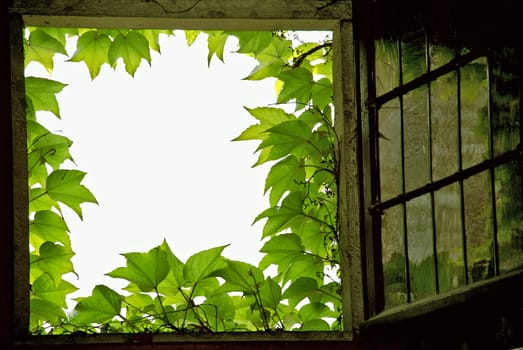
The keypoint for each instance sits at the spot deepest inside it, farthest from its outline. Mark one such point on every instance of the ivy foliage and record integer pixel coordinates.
(208, 292)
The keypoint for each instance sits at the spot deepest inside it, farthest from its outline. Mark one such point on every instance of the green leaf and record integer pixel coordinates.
(311, 311)
(322, 93)
(64, 186)
(92, 48)
(293, 136)
(203, 264)
(286, 175)
(241, 277)
(46, 147)
(282, 217)
(297, 84)
(153, 36)
(305, 266)
(216, 44)
(270, 293)
(39, 200)
(283, 246)
(191, 36)
(44, 311)
(132, 48)
(54, 291)
(101, 306)
(272, 59)
(55, 260)
(146, 270)
(42, 93)
(268, 117)
(315, 325)
(252, 42)
(41, 47)
(301, 288)
(48, 226)
(174, 280)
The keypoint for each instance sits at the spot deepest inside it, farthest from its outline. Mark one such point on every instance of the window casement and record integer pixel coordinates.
(199, 15)
(441, 121)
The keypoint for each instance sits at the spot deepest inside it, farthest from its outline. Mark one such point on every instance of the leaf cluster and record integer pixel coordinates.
(208, 292)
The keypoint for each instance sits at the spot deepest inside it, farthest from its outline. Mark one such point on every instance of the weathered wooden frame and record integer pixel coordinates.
(205, 15)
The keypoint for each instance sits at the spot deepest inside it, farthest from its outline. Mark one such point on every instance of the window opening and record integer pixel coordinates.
(447, 157)
(304, 294)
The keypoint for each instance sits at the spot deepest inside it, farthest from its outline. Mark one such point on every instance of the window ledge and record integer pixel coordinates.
(492, 294)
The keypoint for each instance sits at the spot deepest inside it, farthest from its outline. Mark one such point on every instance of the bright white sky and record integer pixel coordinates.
(158, 157)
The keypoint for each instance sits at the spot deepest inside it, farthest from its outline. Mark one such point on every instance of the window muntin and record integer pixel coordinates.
(447, 155)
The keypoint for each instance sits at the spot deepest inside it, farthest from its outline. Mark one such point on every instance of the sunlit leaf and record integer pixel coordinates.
(203, 264)
(42, 93)
(241, 276)
(101, 306)
(65, 186)
(297, 84)
(132, 48)
(286, 175)
(48, 226)
(270, 293)
(315, 325)
(253, 42)
(216, 44)
(267, 117)
(92, 48)
(55, 260)
(41, 47)
(146, 270)
(271, 60)
(54, 291)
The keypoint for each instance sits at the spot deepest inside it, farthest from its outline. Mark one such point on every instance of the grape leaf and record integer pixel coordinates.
(55, 260)
(92, 48)
(132, 48)
(48, 226)
(46, 147)
(297, 84)
(146, 270)
(101, 306)
(270, 293)
(42, 94)
(54, 291)
(203, 264)
(41, 47)
(252, 42)
(64, 186)
(286, 175)
(216, 44)
(268, 117)
(271, 60)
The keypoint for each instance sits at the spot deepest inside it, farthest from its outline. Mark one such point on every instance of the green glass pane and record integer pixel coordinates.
(449, 237)
(413, 55)
(420, 245)
(444, 126)
(416, 139)
(505, 105)
(479, 227)
(390, 150)
(387, 65)
(474, 99)
(509, 216)
(393, 256)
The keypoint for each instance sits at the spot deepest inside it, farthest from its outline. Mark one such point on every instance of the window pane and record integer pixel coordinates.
(390, 150)
(387, 65)
(393, 256)
(444, 126)
(509, 216)
(449, 237)
(505, 101)
(413, 55)
(474, 112)
(479, 227)
(416, 139)
(421, 247)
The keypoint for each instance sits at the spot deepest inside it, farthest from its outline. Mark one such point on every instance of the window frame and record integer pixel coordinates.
(198, 15)
(508, 285)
